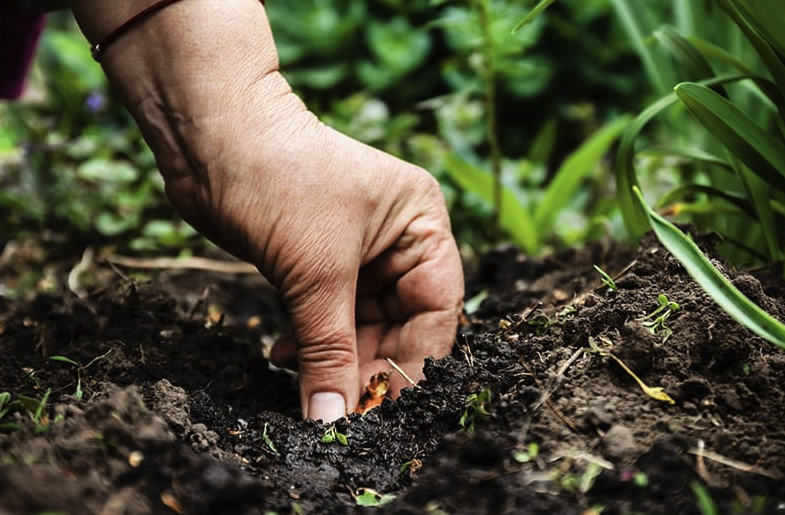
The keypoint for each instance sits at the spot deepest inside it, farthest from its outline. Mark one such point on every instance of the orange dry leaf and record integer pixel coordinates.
(375, 392)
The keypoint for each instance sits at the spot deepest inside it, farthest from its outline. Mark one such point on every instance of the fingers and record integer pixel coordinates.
(321, 309)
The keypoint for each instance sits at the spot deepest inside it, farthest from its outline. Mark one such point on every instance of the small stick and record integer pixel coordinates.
(400, 371)
(739, 465)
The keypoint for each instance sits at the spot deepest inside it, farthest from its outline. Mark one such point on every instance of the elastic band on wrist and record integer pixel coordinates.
(97, 49)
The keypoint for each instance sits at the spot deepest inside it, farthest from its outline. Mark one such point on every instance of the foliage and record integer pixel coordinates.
(478, 408)
(733, 183)
(71, 159)
(332, 434)
(730, 178)
(719, 287)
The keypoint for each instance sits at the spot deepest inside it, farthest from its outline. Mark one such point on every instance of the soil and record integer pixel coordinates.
(174, 408)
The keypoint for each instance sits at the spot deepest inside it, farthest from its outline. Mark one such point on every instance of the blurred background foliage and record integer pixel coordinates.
(518, 126)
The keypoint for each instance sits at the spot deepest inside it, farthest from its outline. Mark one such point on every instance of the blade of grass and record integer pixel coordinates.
(574, 169)
(536, 11)
(747, 140)
(717, 286)
(513, 218)
(639, 27)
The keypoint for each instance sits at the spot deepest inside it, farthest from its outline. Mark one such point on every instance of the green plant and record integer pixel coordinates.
(704, 500)
(606, 279)
(655, 321)
(81, 370)
(528, 454)
(34, 408)
(369, 497)
(718, 287)
(333, 435)
(478, 408)
(268, 441)
(731, 177)
(737, 186)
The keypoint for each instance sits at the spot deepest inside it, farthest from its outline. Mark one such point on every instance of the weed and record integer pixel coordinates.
(606, 279)
(655, 321)
(80, 370)
(369, 497)
(703, 498)
(478, 408)
(528, 454)
(35, 409)
(333, 435)
(268, 441)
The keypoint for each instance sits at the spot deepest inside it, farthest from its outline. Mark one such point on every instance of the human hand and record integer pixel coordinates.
(357, 241)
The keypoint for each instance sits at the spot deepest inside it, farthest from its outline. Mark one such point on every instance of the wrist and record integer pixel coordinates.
(181, 46)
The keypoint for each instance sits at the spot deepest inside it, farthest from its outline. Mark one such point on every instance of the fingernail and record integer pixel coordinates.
(326, 406)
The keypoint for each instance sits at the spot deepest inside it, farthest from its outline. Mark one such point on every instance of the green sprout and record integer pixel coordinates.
(35, 408)
(528, 454)
(268, 441)
(706, 504)
(655, 321)
(333, 435)
(606, 279)
(80, 370)
(478, 407)
(368, 497)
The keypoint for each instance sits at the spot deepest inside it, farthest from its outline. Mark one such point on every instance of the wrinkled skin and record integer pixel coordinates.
(357, 241)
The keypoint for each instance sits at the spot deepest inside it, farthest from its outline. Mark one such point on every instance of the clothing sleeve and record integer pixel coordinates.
(19, 32)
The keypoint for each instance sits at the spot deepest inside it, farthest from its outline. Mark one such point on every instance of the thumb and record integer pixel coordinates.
(324, 328)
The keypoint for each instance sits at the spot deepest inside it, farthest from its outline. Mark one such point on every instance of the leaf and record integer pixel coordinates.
(369, 497)
(513, 217)
(717, 286)
(747, 140)
(65, 360)
(575, 168)
(536, 11)
(100, 170)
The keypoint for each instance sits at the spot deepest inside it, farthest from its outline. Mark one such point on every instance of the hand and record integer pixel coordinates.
(357, 241)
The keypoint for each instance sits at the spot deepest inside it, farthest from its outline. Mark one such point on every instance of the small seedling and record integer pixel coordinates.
(478, 408)
(268, 441)
(333, 435)
(706, 504)
(528, 454)
(606, 279)
(80, 370)
(655, 321)
(35, 408)
(370, 498)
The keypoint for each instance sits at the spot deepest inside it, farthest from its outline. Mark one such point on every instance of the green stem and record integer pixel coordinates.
(491, 123)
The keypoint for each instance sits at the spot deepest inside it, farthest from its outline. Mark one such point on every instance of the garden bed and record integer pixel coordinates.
(173, 408)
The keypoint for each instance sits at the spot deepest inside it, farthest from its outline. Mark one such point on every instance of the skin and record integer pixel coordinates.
(357, 241)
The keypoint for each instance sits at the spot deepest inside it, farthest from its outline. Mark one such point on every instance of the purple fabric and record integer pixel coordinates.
(19, 34)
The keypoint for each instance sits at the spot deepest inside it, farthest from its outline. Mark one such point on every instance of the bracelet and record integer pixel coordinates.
(97, 49)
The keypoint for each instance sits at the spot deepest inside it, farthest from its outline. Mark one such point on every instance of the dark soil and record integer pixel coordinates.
(179, 411)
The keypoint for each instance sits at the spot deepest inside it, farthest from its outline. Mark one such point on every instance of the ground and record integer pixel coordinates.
(167, 404)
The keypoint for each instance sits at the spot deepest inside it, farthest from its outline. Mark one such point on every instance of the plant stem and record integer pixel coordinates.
(491, 123)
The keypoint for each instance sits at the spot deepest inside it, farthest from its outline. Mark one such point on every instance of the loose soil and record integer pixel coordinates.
(175, 409)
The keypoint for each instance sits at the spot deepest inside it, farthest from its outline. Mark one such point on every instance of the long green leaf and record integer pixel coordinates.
(626, 177)
(769, 57)
(747, 140)
(685, 53)
(574, 169)
(717, 286)
(513, 218)
(539, 8)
